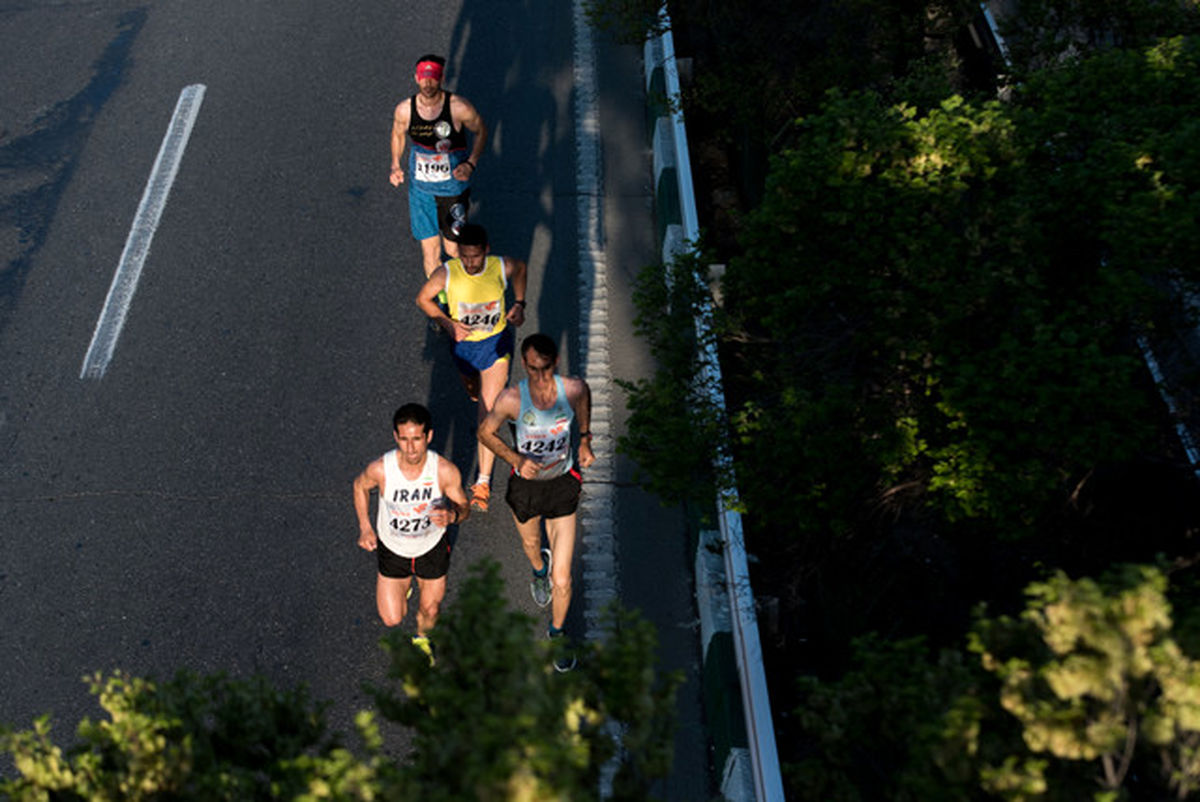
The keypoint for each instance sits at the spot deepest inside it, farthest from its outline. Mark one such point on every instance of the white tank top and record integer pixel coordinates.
(544, 435)
(402, 521)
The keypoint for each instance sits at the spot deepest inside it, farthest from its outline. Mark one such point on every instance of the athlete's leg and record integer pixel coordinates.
(470, 383)
(432, 593)
(491, 381)
(561, 534)
(431, 255)
(450, 247)
(530, 533)
(390, 597)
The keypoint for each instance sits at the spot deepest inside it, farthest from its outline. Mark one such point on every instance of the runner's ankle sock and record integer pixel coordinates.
(542, 573)
(554, 631)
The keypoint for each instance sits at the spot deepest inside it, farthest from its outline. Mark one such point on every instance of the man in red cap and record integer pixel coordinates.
(433, 126)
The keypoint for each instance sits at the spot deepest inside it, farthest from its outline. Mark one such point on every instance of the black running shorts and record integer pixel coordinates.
(549, 498)
(433, 564)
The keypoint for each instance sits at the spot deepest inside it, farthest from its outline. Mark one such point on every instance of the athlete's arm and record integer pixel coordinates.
(427, 301)
(464, 114)
(399, 141)
(370, 479)
(451, 483)
(514, 271)
(506, 408)
(579, 395)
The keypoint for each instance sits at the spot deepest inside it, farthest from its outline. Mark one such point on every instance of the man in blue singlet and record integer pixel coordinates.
(545, 484)
(433, 125)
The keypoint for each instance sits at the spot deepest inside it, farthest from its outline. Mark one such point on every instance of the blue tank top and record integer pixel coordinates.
(544, 435)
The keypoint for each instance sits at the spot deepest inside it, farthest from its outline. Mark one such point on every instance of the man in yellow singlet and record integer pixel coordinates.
(476, 318)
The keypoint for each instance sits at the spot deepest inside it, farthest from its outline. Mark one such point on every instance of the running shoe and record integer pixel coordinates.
(540, 586)
(564, 653)
(422, 643)
(442, 302)
(481, 492)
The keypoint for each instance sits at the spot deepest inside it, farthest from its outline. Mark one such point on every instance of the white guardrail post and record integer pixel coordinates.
(671, 151)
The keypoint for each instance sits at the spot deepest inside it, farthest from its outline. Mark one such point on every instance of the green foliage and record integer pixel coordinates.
(1091, 672)
(674, 427)
(192, 738)
(627, 21)
(491, 721)
(956, 291)
(1046, 32)
(1084, 695)
(878, 731)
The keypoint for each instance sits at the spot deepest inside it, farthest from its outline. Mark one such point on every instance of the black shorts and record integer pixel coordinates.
(433, 564)
(549, 498)
(450, 218)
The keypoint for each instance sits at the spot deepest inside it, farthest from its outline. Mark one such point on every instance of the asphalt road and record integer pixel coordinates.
(192, 507)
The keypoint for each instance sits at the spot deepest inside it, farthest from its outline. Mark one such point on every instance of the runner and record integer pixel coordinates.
(420, 494)
(544, 484)
(474, 286)
(438, 169)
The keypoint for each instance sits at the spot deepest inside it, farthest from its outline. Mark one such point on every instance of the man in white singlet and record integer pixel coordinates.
(420, 495)
(544, 484)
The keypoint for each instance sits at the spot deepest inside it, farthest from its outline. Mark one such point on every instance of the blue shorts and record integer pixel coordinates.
(476, 356)
(430, 215)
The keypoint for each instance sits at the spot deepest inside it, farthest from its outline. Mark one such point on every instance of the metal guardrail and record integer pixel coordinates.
(756, 704)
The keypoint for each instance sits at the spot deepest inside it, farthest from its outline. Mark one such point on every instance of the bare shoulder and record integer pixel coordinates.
(574, 387)
(436, 282)
(402, 111)
(448, 473)
(373, 474)
(508, 403)
(461, 108)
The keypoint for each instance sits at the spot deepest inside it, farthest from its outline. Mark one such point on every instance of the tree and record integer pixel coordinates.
(1046, 32)
(193, 738)
(879, 731)
(491, 721)
(1086, 694)
(1092, 673)
(936, 311)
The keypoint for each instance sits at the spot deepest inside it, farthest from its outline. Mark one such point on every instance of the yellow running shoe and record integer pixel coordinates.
(422, 643)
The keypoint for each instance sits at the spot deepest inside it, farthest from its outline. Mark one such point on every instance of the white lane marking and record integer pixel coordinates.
(137, 245)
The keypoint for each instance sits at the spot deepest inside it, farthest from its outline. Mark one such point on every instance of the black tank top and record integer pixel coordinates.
(424, 132)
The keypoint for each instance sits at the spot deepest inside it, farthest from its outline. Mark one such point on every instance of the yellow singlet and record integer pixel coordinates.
(477, 300)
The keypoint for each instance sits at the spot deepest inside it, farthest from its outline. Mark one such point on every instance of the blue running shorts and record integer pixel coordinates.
(429, 215)
(476, 356)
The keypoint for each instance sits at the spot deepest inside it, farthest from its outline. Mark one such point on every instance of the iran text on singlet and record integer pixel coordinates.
(544, 435)
(436, 148)
(478, 300)
(403, 520)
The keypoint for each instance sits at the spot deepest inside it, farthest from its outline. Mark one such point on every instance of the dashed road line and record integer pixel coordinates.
(137, 244)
